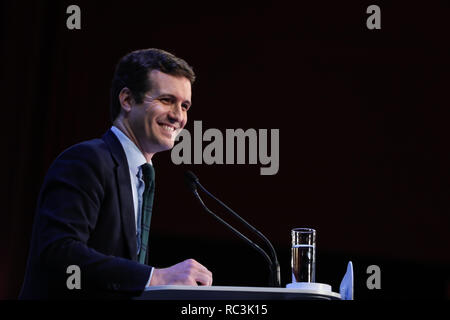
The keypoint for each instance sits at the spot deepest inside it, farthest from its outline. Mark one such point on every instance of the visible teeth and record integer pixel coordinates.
(171, 129)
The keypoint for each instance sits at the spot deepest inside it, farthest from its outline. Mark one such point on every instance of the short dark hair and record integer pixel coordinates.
(132, 72)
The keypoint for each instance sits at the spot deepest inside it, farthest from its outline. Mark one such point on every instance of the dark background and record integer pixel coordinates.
(363, 118)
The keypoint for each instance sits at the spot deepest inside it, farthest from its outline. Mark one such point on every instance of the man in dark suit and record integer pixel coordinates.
(90, 209)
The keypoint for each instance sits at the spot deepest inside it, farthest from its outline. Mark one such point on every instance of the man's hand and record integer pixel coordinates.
(188, 272)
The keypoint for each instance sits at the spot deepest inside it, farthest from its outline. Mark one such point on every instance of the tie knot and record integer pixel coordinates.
(148, 172)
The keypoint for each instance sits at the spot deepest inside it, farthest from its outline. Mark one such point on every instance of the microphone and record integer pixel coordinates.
(192, 182)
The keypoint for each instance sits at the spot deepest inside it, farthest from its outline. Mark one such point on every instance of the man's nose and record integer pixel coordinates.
(176, 113)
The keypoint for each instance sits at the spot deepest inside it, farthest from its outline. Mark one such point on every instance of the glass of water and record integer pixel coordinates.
(303, 255)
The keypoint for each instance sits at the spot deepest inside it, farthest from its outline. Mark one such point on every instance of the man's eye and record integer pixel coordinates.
(165, 100)
(185, 106)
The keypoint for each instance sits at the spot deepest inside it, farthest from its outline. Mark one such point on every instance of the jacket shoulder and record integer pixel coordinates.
(94, 152)
(91, 157)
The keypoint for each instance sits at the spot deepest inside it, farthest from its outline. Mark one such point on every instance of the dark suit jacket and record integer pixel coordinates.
(85, 217)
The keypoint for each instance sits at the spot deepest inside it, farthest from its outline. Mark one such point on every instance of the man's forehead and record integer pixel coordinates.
(163, 83)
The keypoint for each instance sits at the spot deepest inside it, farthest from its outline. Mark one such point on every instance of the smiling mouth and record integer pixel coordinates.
(168, 128)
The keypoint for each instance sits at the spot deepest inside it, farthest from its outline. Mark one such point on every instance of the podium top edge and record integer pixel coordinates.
(241, 289)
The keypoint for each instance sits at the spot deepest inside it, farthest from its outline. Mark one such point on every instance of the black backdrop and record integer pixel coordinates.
(362, 116)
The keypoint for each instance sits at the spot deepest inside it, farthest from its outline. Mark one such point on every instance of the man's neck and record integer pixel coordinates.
(126, 129)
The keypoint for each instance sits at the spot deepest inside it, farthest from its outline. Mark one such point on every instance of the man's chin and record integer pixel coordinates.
(166, 145)
(160, 145)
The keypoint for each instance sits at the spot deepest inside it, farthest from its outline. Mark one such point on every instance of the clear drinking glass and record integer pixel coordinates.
(303, 255)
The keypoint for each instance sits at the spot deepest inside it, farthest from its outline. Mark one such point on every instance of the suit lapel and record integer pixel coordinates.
(124, 192)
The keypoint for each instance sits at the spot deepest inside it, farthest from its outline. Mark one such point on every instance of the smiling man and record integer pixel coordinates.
(94, 209)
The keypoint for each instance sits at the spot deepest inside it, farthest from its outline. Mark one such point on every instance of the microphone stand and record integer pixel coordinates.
(273, 263)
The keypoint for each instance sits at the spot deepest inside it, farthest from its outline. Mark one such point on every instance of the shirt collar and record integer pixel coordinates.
(135, 158)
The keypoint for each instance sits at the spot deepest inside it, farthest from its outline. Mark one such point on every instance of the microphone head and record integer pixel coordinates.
(191, 180)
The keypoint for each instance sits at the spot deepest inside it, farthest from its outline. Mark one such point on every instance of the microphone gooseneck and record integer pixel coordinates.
(192, 182)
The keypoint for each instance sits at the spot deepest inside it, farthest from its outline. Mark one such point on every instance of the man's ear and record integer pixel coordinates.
(126, 99)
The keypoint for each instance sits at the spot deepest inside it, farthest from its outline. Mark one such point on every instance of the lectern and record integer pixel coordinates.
(234, 293)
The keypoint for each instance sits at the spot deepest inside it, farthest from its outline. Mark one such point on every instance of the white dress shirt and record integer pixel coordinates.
(135, 160)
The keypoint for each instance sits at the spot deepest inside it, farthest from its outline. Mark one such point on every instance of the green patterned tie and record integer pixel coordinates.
(147, 204)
